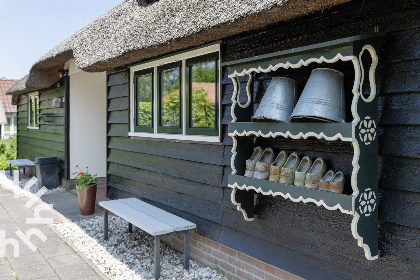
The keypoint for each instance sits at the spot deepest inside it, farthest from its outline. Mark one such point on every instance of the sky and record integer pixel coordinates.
(30, 28)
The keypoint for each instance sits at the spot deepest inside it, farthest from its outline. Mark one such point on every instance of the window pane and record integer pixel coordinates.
(203, 94)
(7, 125)
(31, 111)
(170, 98)
(144, 97)
(36, 111)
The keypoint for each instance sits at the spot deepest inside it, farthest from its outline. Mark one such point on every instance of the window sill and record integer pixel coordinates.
(175, 137)
(33, 128)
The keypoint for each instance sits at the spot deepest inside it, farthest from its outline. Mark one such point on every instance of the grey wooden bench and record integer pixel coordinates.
(151, 219)
(21, 163)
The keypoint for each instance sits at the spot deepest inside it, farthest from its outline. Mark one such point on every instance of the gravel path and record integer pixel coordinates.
(125, 255)
(24, 179)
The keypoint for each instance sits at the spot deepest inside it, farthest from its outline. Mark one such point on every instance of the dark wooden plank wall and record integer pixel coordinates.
(48, 141)
(182, 177)
(190, 179)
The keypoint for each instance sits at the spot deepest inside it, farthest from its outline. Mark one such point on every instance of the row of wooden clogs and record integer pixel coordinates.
(292, 170)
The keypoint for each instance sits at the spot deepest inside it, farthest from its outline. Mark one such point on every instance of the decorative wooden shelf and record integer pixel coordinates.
(361, 132)
(327, 131)
(329, 200)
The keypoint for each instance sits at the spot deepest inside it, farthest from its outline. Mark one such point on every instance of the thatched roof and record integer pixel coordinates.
(137, 30)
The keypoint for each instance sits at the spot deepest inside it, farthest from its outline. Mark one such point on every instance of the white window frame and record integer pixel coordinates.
(154, 64)
(34, 97)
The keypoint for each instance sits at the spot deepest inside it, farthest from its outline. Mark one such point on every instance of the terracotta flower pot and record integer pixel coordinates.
(87, 198)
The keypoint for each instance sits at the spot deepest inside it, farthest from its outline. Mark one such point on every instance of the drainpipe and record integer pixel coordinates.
(65, 74)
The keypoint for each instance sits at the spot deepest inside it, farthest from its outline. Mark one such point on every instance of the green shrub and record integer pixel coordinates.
(2, 146)
(7, 151)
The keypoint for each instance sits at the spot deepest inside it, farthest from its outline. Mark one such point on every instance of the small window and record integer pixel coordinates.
(170, 104)
(202, 94)
(33, 112)
(177, 97)
(143, 82)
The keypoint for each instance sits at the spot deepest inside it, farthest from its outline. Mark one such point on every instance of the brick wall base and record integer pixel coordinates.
(229, 262)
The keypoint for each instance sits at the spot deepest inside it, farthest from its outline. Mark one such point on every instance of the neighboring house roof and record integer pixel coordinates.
(137, 30)
(210, 88)
(6, 100)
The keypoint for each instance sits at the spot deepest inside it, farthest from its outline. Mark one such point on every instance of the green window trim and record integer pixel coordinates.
(207, 131)
(169, 129)
(178, 113)
(33, 111)
(137, 127)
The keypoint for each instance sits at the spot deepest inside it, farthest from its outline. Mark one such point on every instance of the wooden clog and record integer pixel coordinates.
(252, 161)
(276, 166)
(337, 183)
(287, 174)
(324, 183)
(262, 168)
(303, 168)
(314, 175)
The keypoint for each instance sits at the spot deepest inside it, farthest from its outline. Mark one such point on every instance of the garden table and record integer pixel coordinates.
(21, 163)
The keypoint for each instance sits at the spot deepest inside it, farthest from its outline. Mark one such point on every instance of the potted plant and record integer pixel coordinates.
(86, 191)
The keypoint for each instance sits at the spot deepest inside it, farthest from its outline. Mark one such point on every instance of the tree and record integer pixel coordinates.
(171, 109)
(203, 111)
(204, 72)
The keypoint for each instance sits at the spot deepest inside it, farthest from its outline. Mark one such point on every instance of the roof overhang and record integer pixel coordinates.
(115, 50)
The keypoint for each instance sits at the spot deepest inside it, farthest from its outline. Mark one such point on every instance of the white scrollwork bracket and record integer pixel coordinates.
(372, 70)
(237, 93)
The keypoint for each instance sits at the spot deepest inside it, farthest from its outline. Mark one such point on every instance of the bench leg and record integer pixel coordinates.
(10, 167)
(130, 228)
(157, 257)
(186, 250)
(105, 224)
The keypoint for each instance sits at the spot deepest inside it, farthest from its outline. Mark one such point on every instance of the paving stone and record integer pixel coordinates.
(60, 218)
(23, 213)
(12, 205)
(8, 224)
(21, 217)
(45, 229)
(51, 241)
(35, 272)
(51, 278)
(21, 221)
(5, 270)
(28, 260)
(10, 277)
(5, 198)
(59, 250)
(93, 278)
(69, 273)
(4, 215)
(51, 255)
(52, 215)
(23, 250)
(71, 260)
(4, 191)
